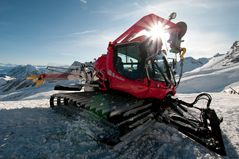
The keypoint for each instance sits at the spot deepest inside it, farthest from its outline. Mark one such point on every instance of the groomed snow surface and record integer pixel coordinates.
(30, 129)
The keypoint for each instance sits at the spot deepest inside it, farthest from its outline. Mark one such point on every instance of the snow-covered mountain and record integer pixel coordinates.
(4, 68)
(15, 78)
(76, 63)
(22, 71)
(221, 72)
(190, 64)
(222, 61)
(15, 86)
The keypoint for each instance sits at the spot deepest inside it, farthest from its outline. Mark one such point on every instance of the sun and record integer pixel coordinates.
(158, 31)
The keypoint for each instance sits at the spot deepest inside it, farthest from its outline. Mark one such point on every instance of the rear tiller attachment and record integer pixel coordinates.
(205, 129)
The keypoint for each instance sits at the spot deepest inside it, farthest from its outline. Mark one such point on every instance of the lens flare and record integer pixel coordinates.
(158, 31)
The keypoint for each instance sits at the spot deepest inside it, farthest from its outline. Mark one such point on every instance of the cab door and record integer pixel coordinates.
(161, 78)
(129, 70)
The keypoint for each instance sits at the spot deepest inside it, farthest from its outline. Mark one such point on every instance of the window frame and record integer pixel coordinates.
(125, 46)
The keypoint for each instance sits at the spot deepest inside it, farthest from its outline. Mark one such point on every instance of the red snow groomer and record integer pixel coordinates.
(132, 87)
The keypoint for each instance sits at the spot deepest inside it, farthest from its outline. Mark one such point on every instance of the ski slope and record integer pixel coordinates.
(209, 80)
(215, 76)
(30, 129)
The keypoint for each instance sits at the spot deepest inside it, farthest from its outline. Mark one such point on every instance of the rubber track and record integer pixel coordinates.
(122, 111)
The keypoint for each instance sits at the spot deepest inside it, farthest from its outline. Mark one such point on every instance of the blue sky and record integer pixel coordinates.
(62, 31)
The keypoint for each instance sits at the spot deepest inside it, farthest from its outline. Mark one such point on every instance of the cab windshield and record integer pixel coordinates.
(160, 69)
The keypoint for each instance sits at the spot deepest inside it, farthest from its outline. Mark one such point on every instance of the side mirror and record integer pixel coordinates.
(172, 15)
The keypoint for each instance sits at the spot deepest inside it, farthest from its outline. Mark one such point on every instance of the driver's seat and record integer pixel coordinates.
(119, 65)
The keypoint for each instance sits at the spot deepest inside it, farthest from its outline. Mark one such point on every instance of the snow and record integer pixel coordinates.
(215, 62)
(2, 81)
(4, 68)
(215, 76)
(31, 92)
(22, 71)
(209, 80)
(15, 86)
(8, 78)
(190, 64)
(232, 88)
(30, 129)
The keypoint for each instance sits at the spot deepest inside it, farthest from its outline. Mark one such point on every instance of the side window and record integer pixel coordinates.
(127, 62)
(121, 52)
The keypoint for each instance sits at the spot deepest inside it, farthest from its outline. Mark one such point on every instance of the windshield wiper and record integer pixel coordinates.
(166, 79)
(170, 72)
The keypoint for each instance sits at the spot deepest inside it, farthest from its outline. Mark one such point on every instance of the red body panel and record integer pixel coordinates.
(110, 79)
(62, 76)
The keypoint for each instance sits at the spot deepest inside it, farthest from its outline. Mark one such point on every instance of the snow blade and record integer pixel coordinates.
(205, 130)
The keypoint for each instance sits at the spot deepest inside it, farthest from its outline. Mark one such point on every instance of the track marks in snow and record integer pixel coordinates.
(30, 129)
